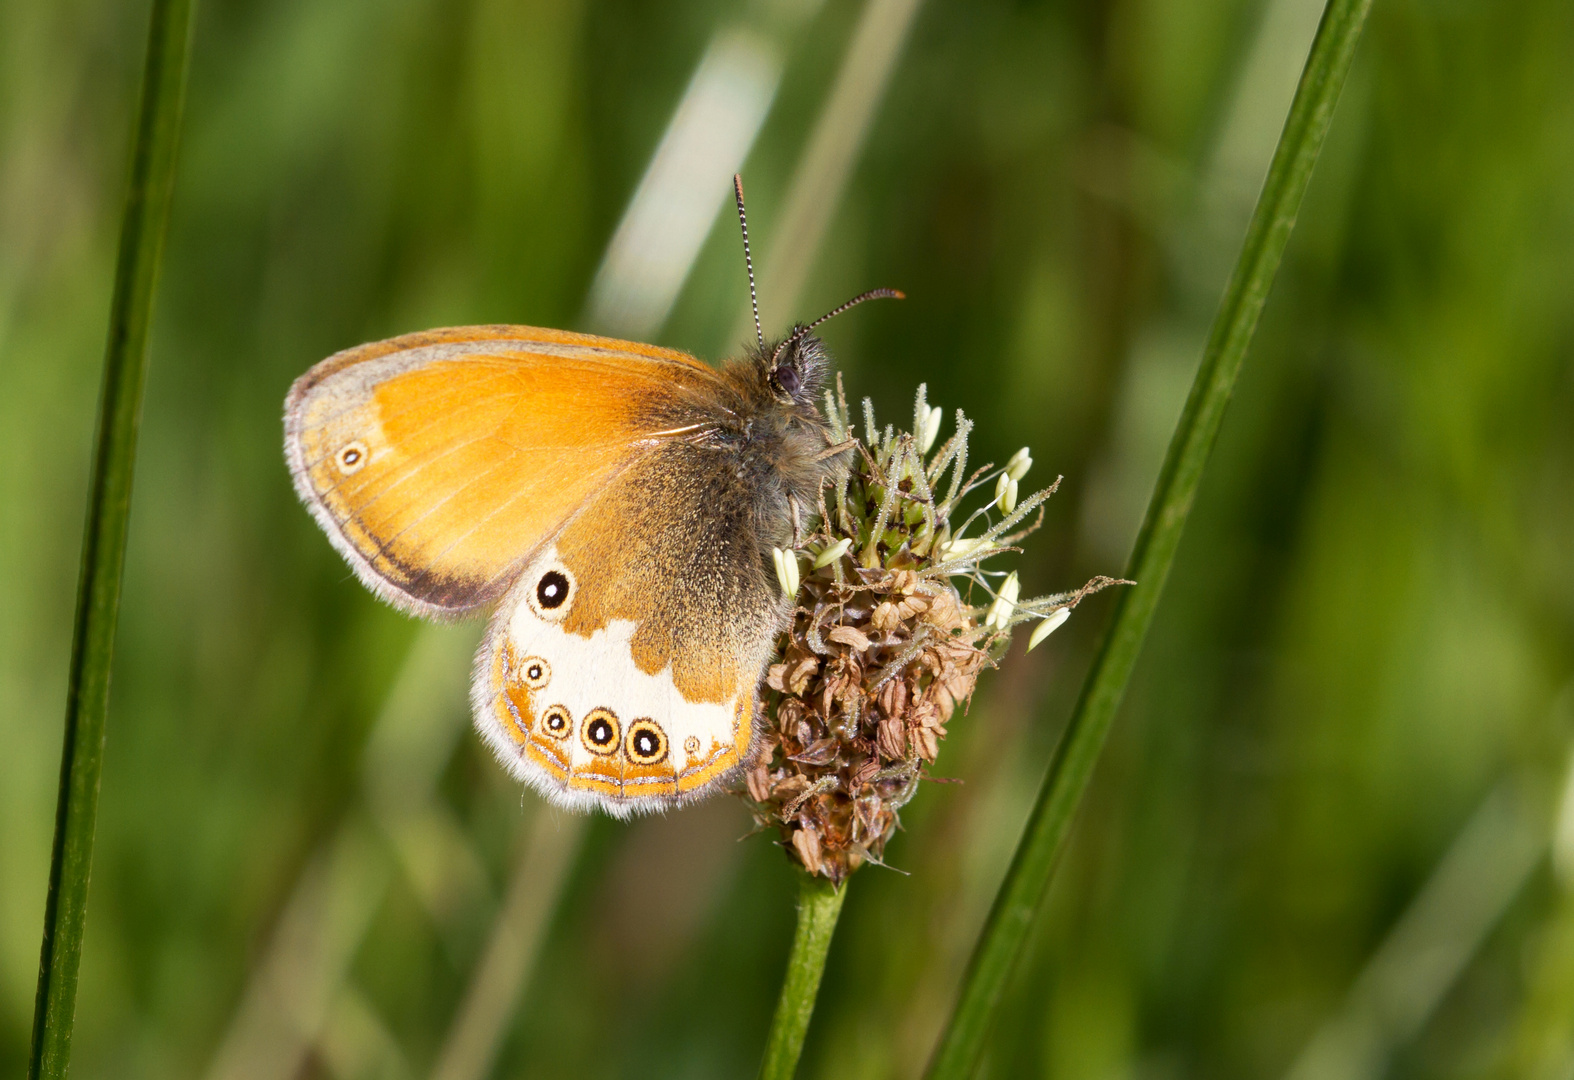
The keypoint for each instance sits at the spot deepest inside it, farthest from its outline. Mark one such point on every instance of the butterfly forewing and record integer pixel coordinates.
(438, 461)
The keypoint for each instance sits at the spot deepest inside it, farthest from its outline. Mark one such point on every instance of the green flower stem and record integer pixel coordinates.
(104, 540)
(819, 906)
(1005, 932)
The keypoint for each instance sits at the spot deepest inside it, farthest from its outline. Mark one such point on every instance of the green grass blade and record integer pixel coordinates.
(819, 906)
(1005, 932)
(104, 540)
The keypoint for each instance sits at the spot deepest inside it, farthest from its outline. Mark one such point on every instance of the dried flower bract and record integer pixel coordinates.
(895, 619)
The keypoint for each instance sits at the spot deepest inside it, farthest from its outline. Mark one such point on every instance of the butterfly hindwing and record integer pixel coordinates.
(635, 688)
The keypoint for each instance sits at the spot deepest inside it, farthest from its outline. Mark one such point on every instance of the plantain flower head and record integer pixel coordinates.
(896, 617)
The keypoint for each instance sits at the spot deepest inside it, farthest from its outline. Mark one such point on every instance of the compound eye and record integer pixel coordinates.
(786, 380)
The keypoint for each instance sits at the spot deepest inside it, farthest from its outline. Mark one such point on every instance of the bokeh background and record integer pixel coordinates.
(1329, 836)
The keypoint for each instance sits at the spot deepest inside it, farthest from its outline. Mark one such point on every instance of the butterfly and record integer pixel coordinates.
(616, 503)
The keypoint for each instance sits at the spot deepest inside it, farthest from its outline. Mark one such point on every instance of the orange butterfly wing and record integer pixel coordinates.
(438, 461)
(587, 485)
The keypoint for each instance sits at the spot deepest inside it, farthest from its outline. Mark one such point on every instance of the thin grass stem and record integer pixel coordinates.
(819, 906)
(1005, 932)
(142, 232)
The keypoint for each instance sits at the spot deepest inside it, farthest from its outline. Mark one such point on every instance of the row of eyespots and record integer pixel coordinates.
(645, 743)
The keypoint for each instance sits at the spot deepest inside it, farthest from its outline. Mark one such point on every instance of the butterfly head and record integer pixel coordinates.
(794, 370)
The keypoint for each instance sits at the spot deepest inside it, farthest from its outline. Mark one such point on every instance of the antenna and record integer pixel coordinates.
(872, 294)
(802, 331)
(748, 261)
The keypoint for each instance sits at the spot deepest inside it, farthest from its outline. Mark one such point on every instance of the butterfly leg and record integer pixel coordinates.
(839, 448)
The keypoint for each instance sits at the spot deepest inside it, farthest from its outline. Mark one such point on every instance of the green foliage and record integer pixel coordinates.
(154, 142)
(819, 906)
(1366, 630)
(1071, 767)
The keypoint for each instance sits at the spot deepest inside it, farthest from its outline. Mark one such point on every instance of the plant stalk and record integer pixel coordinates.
(819, 906)
(104, 537)
(1005, 932)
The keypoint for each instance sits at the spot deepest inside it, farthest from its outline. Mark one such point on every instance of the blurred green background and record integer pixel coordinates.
(1329, 837)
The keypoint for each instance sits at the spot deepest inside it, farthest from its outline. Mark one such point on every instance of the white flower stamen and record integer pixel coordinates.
(961, 546)
(833, 552)
(786, 571)
(1048, 627)
(1005, 602)
(1006, 492)
(1019, 464)
(931, 428)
